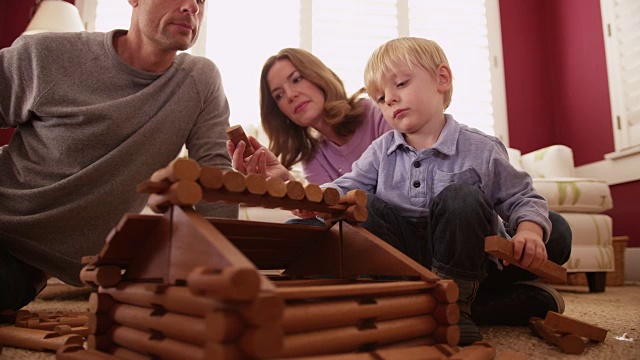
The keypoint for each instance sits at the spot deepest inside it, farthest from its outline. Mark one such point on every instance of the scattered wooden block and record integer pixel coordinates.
(503, 249)
(35, 339)
(568, 343)
(565, 325)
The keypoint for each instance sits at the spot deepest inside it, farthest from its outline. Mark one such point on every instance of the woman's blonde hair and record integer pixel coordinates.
(409, 51)
(289, 141)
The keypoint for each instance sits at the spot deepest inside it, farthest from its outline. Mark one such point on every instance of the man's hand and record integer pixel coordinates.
(528, 246)
(262, 162)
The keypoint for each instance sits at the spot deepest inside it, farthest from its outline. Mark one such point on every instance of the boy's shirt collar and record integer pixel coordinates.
(446, 143)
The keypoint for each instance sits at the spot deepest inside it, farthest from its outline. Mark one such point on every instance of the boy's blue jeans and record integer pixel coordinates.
(19, 282)
(451, 239)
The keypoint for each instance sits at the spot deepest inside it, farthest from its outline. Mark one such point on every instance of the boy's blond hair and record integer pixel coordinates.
(409, 51)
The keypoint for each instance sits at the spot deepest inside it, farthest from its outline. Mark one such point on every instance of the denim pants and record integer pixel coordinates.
(451, 239)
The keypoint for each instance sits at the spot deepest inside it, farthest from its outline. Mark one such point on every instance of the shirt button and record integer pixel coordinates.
(416, 184)
(416, 164)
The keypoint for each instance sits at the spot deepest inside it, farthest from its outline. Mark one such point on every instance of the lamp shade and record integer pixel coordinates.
(55, 16)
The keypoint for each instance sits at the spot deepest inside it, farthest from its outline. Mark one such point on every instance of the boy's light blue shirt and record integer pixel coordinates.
(409, 179)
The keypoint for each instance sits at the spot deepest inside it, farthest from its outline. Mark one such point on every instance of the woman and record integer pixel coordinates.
(308, 118)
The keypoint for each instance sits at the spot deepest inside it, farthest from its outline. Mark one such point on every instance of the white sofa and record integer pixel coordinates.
(581, 202)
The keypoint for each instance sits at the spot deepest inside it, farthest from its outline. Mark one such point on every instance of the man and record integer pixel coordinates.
(97, 113)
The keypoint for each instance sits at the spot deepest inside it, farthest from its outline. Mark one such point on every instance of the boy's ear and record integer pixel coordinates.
(443, 75)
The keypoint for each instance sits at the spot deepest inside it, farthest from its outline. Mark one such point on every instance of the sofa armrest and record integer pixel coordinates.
(552, 161)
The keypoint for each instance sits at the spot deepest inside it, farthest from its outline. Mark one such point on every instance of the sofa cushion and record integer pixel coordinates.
(575, 194)
(592, 246)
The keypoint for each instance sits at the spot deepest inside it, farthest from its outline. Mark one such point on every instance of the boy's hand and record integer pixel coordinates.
(304, 214)
(528, 246)
(262, 161)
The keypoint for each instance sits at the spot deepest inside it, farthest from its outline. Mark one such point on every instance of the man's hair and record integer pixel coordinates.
(409, 51)
(287, 140)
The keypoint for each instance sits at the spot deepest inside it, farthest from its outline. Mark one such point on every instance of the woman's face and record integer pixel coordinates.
(298, 98)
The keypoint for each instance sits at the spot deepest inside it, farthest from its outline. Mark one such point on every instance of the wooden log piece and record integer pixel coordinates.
(185, 328)
(126, 354)
(99, 324)
(223, 326)
(77, 352)
(353, 214)
(566, 325)
(479, 350)
(232, 283)
(350, 338)
(256, 184)
(217, 351)
(236, 134)
(374, 288)
(503, 249)
(568, 343)
(313, 193)
(104, 275)
(295, 190)
(211, 178)
(276, 187)
(446, 291)
(330, 196)
(100, 303)
(262, 342)
(354, 197)
(35, 339)
(302, 317)
(447, 314)
(165, 348)
(181, 193)
(266, 308)
(100, 343)
(421, 352)
(233, 181)
(66, 329)
(178, 169)
(446, 334)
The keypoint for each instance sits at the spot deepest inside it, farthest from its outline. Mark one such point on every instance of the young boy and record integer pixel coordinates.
(438, 188)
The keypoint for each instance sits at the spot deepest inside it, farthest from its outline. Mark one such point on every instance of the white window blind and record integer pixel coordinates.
(241, 35)
(346, 32)
(622, 39)
(460, 27)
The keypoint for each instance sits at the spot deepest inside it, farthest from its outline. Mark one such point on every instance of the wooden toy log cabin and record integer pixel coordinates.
(182, 286)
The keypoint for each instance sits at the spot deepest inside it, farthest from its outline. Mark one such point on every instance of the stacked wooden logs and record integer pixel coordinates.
(227, 309)
(184, 183)
(210, 320)
(330, 319)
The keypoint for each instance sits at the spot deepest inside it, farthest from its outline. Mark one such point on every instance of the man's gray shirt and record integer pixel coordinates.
(89, 128)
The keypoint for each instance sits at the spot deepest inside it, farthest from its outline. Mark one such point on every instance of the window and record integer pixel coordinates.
(622, 45)
(240, 35)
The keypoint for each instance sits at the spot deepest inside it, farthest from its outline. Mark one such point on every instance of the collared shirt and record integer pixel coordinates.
(409, 179)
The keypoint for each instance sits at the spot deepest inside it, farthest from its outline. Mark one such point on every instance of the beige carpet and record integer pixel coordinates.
(617, 309)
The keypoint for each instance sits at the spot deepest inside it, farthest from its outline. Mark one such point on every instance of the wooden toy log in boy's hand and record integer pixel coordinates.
(503, 249)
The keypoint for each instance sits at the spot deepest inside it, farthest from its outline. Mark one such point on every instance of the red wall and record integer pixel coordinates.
(13, 20)
(557, 89)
